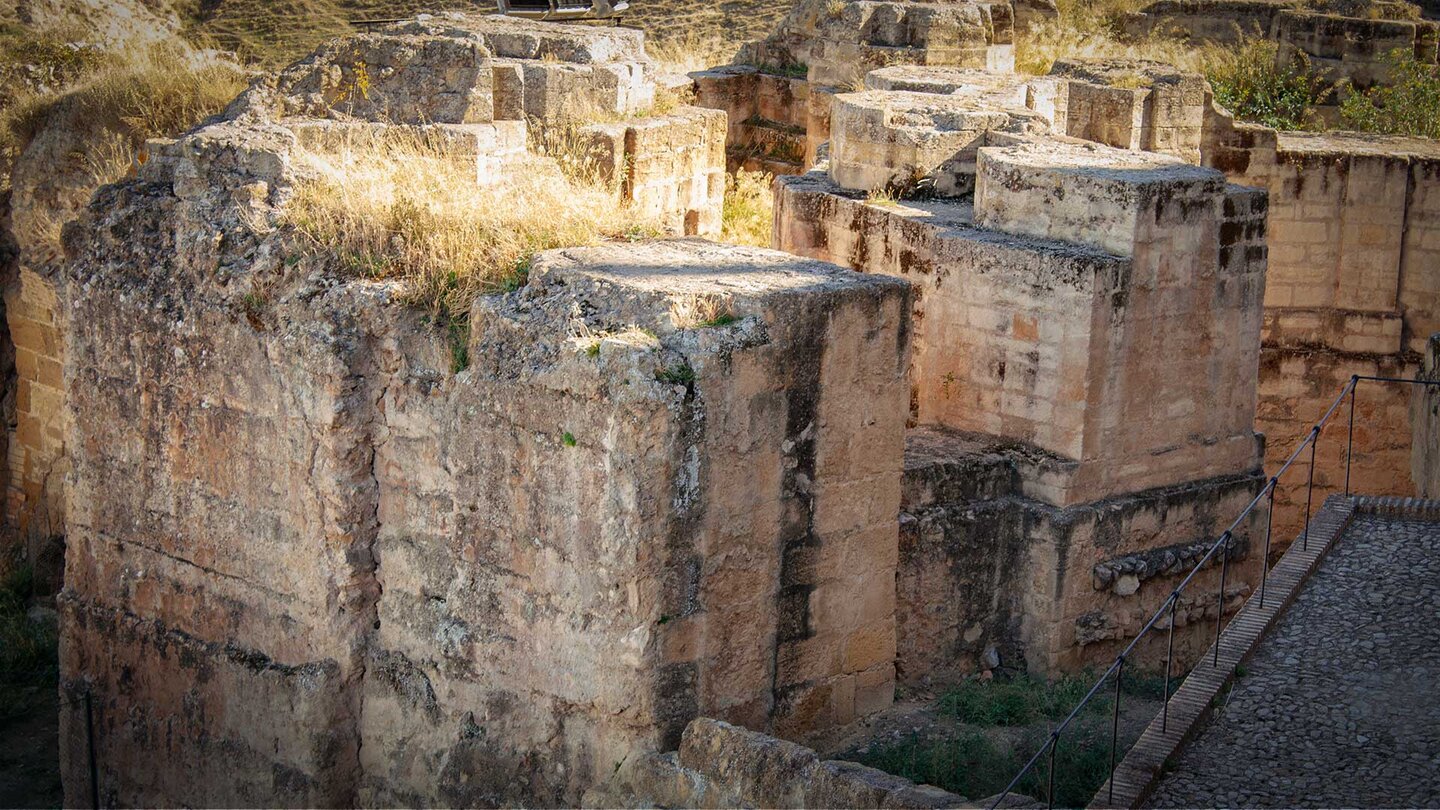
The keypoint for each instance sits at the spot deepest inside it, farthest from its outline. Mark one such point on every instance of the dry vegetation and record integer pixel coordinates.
(398, 206)
(116, 99)
(749, 208)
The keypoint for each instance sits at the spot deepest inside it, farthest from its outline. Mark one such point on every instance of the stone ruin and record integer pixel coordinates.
(1347, 41)
(627, 549)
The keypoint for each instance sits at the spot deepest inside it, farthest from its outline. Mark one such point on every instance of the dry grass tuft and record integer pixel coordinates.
(749, 210)
(691, 51)
(702, 311)
(396, 206)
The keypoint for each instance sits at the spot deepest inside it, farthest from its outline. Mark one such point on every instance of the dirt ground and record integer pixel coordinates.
(30, 752)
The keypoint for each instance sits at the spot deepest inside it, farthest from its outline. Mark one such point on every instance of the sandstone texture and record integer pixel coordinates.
(313, 565)
(343, 575)
(1353, 235)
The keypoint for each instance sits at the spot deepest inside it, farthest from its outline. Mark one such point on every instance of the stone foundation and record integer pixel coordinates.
(990, 577)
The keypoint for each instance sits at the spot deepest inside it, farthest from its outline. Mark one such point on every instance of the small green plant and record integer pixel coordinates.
(1015, 702)
(253, 305)
(790, 70)
(971, 764)
(1256, 87)
(1407, 105)
(676, 375)
(457, 332)
(568, 439)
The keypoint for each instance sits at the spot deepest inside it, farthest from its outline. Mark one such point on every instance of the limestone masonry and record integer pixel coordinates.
(1023, 349)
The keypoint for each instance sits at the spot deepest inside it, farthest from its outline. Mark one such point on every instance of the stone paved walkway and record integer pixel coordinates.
(1341, 704)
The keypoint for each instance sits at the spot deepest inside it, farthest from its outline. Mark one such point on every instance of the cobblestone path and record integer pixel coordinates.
(1341, 704)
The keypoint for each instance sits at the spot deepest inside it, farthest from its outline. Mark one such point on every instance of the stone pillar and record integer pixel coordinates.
(313, 565)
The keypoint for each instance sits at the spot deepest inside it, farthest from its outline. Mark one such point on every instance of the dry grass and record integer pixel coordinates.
(1091, 29)
(749, 209)
(690, 51)
(702, 311)
(396, 206)
(125, 99)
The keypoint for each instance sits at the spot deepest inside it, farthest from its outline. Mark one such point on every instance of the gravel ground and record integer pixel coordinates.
(1341, 704)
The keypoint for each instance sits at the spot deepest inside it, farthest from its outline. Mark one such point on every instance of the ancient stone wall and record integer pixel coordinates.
(1354, 238)
(311, 564)
(777, 123)
(473, 80)
(1083, 315)
(778, 94)
(1346, 42)
(313, 567)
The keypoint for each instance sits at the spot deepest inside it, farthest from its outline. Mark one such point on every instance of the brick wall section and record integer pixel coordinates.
(35, 497)
(776, 123)
(1354, 237)
(671, 167)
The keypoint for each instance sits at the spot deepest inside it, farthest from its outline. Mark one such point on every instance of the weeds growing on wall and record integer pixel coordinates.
(1408, 105)
(1252, 85)
(400, 206)
(746, 218)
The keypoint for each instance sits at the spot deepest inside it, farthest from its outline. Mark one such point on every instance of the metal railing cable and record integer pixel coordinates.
(1225, 542)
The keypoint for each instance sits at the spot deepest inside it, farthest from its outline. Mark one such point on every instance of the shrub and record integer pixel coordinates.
(1408, 105)
(1254, 87)
(28, 649)
(973, 764)
(1015, 702)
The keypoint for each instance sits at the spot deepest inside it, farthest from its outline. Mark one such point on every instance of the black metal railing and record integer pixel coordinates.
(1222, 545)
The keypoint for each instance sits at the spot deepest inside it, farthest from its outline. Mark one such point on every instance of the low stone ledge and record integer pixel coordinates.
(720, 765)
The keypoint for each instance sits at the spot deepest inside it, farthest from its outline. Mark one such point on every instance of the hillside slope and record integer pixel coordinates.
(273, 31)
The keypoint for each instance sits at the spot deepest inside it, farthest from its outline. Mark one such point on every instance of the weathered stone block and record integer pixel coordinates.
(889, 140)
(1083, 193)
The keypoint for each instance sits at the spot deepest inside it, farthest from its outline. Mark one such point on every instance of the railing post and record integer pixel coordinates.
(1310, 488)
(1115, 725)
(1220, 611)
(1269, 527)
(1350, 446)
(1169, 659)
(1050, 792)
(90, 740)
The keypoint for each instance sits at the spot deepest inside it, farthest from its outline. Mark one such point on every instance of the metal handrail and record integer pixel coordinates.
(1117, 667)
